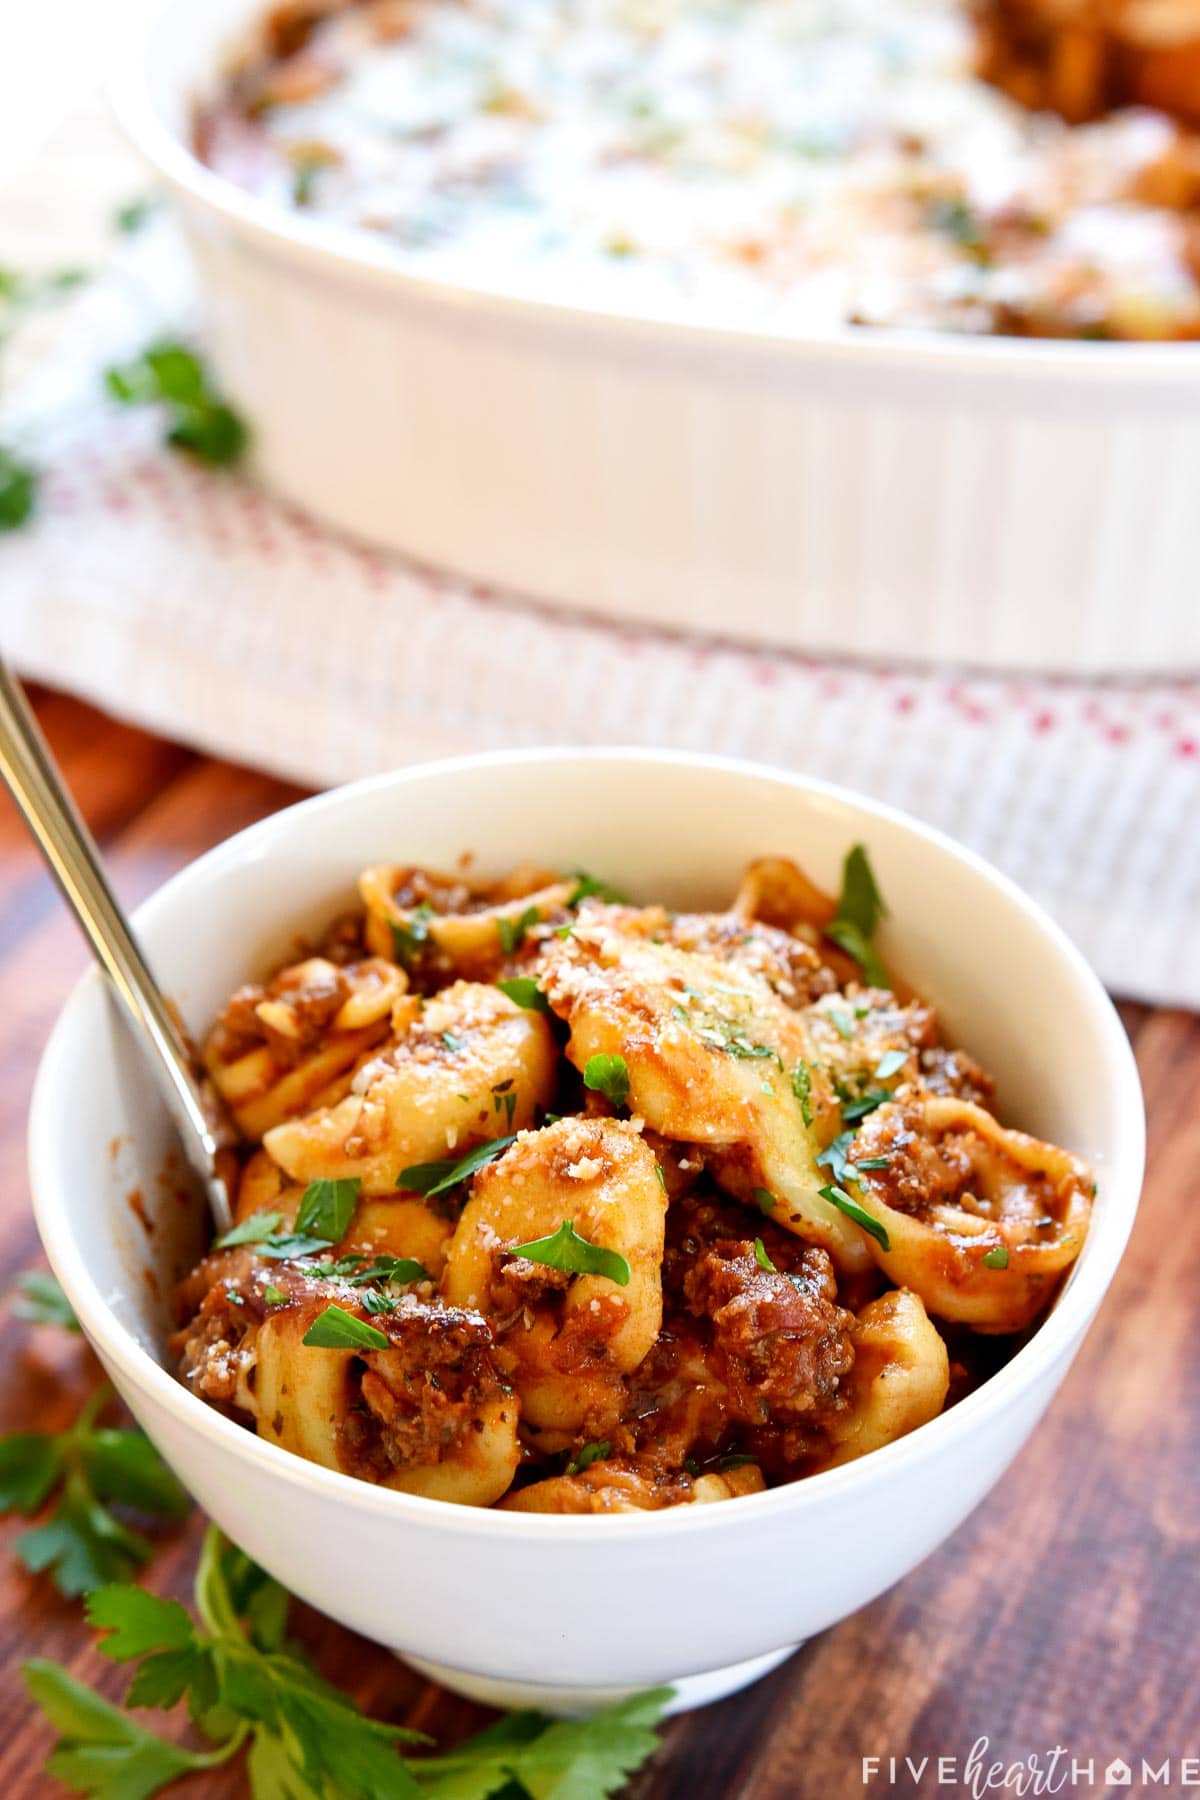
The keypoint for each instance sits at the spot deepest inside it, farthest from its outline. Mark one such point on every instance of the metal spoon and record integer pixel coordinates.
(34, 781)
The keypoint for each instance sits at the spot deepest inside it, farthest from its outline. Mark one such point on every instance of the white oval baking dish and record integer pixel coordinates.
(896, 495)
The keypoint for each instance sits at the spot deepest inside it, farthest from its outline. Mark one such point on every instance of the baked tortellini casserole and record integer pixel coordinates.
(555, 1202)
(1021, 167)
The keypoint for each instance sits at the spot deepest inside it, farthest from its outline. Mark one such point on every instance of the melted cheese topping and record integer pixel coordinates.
(797, 164)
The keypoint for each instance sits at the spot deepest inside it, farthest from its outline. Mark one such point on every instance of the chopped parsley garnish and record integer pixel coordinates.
(452, 1040)
(890, 1063)
(587, 1456)
(843, 1024)
(523, 990)
(566, 1249)
(337, 1329)
(397, 1271)
(762, 1259)
(198, 420)
(996, 1258)
(513, 932)
(322, 1219)
(434, 1178)
(802, 1088)
(764, 1199)
(253, 1230)
(83, 1472)
(327, 1207)
(860, 908)
(854, 1110)
(836, 1196)
(873, 1162)
(274, 1296)
(608, 1075)
(588, 888)
(410, 935)
(737, 1459)
(833, 1157)
(660, 1176)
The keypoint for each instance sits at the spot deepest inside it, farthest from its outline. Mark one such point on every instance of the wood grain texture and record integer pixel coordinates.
(1063, 1613)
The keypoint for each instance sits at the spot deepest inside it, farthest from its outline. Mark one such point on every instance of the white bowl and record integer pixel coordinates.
(886, 494)
(566, 1612)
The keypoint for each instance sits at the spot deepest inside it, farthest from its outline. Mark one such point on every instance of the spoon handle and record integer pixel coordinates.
(33, 779)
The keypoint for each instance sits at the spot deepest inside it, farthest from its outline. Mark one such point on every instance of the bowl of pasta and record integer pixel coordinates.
(862, 313)
(668, 1192)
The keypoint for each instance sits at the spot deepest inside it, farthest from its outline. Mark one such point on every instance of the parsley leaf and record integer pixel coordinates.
(198, 420)
(247, 1688)
(608, 1075)
(762, 1259)
(890, 1063)
(42, 1301)
(833, 1157)
(860, 908)
(997, 1257)
(255, 1229)
(853, 1110)
(513, 932)
(569, 1759)
(524, 991)
(434, 1178)
(327, 1207)
(409, 936)
(101, 1751)
(764, 1199)
(589, 1454)
(836, 1196)
(83, 1471)
(337, 1329)
(400, 1271)
(566, 1249)
(802, 1088)
(588, 888)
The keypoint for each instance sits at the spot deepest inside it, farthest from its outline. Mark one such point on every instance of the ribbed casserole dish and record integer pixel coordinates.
(1013, 503)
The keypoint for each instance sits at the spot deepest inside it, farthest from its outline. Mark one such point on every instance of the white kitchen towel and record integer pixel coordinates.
(199, 606)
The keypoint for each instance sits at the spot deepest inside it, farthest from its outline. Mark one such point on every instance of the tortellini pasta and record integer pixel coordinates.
(470, 1065)
(571, 1337)
(553, 1202)
(285, 1048)
(980, 1221)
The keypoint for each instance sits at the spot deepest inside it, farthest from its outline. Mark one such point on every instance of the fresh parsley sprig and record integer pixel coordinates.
(566, 1249)
(860, 908)
(246, 1687)
(82, 1473)
(199, 421)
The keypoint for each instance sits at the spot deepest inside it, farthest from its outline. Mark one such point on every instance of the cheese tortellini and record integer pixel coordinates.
(558, 1203)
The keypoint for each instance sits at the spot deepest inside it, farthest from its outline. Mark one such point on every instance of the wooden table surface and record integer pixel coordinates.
(1065, 1612)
